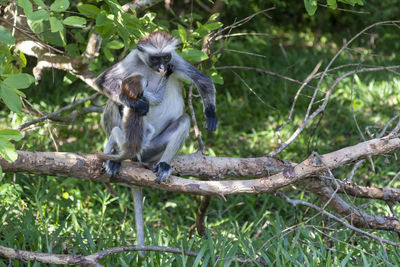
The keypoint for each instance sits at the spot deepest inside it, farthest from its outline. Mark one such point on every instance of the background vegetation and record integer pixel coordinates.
(66, 215)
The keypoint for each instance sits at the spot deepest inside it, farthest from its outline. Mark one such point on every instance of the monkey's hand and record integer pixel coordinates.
(141, 105)
(170, 70)
(162, 171)
(211, 118)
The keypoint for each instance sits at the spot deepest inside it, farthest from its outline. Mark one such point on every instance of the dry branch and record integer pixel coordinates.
(89, 260)
(88, 166)
(354, 215)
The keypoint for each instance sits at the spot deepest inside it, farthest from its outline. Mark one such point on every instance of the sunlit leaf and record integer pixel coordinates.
(40, 14)
(10, 134)
(115, 44)
(332, 4)
(55, 25)
(59, 5)
(193, 55)
(75, 21)
(26, 5)
(108, 54)
(7, 150)
(213, 17)
(88, 10)
(40, 3)
(103, 20)
(311, 6)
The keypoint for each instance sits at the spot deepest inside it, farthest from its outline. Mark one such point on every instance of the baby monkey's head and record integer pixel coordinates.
(131, 87)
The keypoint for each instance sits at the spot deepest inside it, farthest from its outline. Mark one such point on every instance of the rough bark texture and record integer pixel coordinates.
(87, 166)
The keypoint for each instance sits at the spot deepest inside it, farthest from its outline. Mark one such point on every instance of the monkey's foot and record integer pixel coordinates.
(162, 171)
(112, 167)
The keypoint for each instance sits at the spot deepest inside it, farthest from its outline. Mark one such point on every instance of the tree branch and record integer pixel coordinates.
(90, 260)
(88, 166)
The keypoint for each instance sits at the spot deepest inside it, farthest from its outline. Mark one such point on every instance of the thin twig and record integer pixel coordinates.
(309, 77)
(197, 131)
(54, 114)
(263, 72)
(296, 202)
(323, 105)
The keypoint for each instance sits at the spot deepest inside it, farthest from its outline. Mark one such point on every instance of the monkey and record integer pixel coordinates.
(156, 60)
(162, 68)
(136, 131)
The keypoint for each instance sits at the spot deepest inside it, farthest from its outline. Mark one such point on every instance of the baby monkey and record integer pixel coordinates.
(136, 132)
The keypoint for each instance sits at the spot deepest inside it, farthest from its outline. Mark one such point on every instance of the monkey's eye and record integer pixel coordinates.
(154, 59)
(167, 58)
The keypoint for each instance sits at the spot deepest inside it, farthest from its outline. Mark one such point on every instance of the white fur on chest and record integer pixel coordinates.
(170, 109)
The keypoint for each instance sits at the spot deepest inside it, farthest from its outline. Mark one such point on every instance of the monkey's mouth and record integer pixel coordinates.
(161, 70)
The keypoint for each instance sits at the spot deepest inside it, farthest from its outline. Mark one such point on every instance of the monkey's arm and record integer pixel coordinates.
(110, 83)
(205, 86)
(156, 95)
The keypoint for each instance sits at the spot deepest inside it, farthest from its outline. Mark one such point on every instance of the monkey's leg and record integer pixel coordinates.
(166, 146)
(114, 145)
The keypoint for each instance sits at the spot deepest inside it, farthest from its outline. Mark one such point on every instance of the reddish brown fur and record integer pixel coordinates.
(157, 36)
(131, 87)
(132, 122)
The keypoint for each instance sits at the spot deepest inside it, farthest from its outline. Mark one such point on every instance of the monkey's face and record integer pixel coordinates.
(159, 62)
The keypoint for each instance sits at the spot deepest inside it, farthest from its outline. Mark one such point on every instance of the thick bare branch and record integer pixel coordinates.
(355, 216)
(90, 167)
(390, 194)
(90, 260)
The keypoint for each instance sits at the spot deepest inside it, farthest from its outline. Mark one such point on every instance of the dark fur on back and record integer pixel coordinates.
(132, 122)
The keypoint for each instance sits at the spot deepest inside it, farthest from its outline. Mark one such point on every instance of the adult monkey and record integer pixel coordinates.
(162, 103)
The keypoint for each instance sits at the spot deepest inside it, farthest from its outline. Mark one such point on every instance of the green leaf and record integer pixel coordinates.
(22, 59)
(193, 55)
(59, 5)
(10, 134)
(10, 98)
(26, 5)
(55, 25)
(108, 54)
(103, 20)
(18, 92)
(75, 21)
(40, 14)
(40, 3)
(217, 79)
(19, 81)
(182, 33)
(213, 26)
(115, 44)
(213, 17)
(88, 10)
(311, 6)
(6, 37)
(7, 150)
(332, 4)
